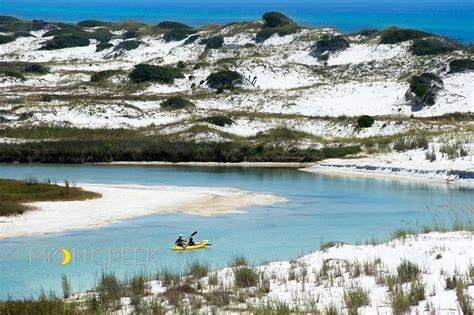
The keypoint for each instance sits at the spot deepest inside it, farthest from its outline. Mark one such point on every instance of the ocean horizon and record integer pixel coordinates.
(443, 17)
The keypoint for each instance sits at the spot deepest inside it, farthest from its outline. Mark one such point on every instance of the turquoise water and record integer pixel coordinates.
(320, 208)
(452, 18)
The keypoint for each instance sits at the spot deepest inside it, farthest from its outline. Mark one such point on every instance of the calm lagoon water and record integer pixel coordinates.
(320, 208)
(454, 18)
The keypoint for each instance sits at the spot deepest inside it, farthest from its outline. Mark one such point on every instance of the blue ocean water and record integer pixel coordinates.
(319, 209)
(454, 18)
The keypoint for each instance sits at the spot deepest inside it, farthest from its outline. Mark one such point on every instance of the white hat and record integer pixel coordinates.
(180, 235)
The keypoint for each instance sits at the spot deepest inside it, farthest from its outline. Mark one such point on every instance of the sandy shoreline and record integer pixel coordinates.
(221, 164)
(333, 171)
(121, 202)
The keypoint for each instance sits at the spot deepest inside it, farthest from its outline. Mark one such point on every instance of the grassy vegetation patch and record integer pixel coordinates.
(395, 35)
(103, 75)
(13, 194)
(93, 23)
(66, 41)
(36, 68)
(215, 42)
(219, 120)
(433, 46)
(460, 65)
(162, 74)
(176, 102)
(128, 45)
(329, 44)
(103, 46)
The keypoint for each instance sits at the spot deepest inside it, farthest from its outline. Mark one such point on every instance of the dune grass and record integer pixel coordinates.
(14, 194)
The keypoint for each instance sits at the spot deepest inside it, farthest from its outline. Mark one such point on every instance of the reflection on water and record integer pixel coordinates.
(320, 208)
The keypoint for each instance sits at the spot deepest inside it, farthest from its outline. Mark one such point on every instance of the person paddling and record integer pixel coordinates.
(191, 242)
(180, 241)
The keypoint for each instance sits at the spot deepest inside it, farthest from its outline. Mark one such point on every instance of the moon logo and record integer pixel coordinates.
(67, 256)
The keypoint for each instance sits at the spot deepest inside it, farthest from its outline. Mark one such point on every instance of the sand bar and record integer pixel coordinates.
(121, 202)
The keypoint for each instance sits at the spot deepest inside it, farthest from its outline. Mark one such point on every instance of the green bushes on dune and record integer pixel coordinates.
(460, 65)
(103, 75)
(5, 39)
(224, 79)
(433, 46)
(65, 41)
(36, 68)
(365, 121)
(162, 74)
(128, 45)
(176, 102)
(103, 46)
(276, 23)
(215, 42)
(93, 23)
(395, 35)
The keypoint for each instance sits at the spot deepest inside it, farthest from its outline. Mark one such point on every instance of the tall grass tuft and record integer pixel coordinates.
(66, 285)
(354, 298)
(238, 260)
(407, 271)
(245, 277)
(198, 269)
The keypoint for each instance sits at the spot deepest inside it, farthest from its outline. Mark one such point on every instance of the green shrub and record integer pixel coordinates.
(177, 34)
(330, 44)
(368, 32)
(191, 39)
(144, 73)
(103, 75)
(93, 23)
(245, 277)
(36, 68)
(224, 79)
(433, 46)
(128, 45)
(173, 25)
(102, 35)
(215, 42)
(66, 31)
(395, 35)
(132, 33)
(14, 74)
(460, 65)
(22, 34)
(365, 121)
(65, 41)
(176, 102)
(275, 19)
(266, 33)
(421, 84)
(102, 46)
(46, 98)
(4, 39)
(219, 120)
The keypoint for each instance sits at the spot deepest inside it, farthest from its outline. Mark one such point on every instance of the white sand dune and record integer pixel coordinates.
(120, 202)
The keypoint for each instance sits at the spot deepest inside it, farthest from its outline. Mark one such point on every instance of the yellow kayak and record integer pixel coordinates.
(196, 245)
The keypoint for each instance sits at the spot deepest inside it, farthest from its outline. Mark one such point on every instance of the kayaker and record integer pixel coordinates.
(191, 242)
(180, 241)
